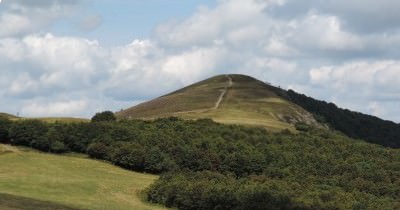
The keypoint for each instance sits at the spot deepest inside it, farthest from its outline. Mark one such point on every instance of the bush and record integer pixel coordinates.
(300, 126)
(131, 156)
(98, 151)
(106, 116)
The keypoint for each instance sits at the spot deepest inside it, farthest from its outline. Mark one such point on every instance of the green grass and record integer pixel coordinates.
(46, 119)
(71, 181)
(12, 202)
(247, 102)
(54, 119)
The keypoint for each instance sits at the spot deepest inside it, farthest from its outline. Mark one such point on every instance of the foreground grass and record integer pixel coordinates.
(12, 202)
(75, 182)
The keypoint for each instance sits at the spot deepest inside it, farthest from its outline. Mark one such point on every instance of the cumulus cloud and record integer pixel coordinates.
(333, 50)
(360, 16)
(19, 17)
(371, 87)
(63, 108)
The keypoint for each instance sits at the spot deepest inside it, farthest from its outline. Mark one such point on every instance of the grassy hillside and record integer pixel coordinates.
(233, 99)
(45, 119)
(12, 202)
(6, 115)
(66, 182)
(59, 119)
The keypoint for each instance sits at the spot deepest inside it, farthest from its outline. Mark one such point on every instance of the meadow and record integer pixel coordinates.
(35, 180)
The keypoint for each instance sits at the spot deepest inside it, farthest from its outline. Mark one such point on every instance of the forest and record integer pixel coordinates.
(207, 165)
(353, 124)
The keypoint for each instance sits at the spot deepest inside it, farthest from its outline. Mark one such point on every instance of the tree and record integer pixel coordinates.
(106, 116)
(98, 150)
(130, 156)
(5, 124)
(53, 141)
(27, 132)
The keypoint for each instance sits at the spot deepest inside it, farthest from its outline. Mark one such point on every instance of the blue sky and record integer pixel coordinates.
(78, 57)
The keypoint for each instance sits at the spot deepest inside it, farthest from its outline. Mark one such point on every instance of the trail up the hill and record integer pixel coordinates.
(224, 91)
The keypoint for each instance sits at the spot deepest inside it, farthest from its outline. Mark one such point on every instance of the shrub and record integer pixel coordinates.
(105, 116)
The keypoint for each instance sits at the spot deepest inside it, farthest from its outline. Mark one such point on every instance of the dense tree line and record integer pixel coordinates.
(353, 124)
(207, 165)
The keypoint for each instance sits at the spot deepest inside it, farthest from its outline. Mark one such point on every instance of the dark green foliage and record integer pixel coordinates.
(106, 116)
(353, 124)
(5, 124)
(27, 132)
(98, 150)
(215, 166)
(129, 155)
(208, 190)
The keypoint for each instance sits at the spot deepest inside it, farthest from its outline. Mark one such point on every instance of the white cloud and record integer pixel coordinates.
(360, 74)
(193, 65)
(62, 108)
(12, 24)
(322, 32)
(208, 25)
(23, 17)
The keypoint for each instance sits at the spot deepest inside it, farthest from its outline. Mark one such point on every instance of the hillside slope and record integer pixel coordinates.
(233, 99)
(64, 182)
(6, 115)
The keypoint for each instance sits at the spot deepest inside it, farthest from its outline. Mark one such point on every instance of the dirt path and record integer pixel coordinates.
(223, 93)
(220, 99)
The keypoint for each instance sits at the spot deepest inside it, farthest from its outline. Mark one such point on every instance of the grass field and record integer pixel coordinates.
(46, 119)
(69, 182)
(247, 101)
(59, 119)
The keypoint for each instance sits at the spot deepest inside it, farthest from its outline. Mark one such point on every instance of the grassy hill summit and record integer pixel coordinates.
(232, 99)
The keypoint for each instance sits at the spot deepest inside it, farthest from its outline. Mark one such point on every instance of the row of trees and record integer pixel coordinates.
(316, 169)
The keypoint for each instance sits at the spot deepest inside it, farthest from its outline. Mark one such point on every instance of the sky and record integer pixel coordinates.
(79, 57)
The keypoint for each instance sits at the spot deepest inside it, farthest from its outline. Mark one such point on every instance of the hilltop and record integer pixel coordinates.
(232, 99)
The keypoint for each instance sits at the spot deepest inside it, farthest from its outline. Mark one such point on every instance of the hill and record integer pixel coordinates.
(233, 99)
(6, 115)
(240, 99)
(34, 180)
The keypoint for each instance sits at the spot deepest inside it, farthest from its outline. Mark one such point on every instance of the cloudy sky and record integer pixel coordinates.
(76, 57)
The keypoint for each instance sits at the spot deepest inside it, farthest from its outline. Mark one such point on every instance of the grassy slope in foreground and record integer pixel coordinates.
(71, 181)
(12, 202)
(245, 101)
